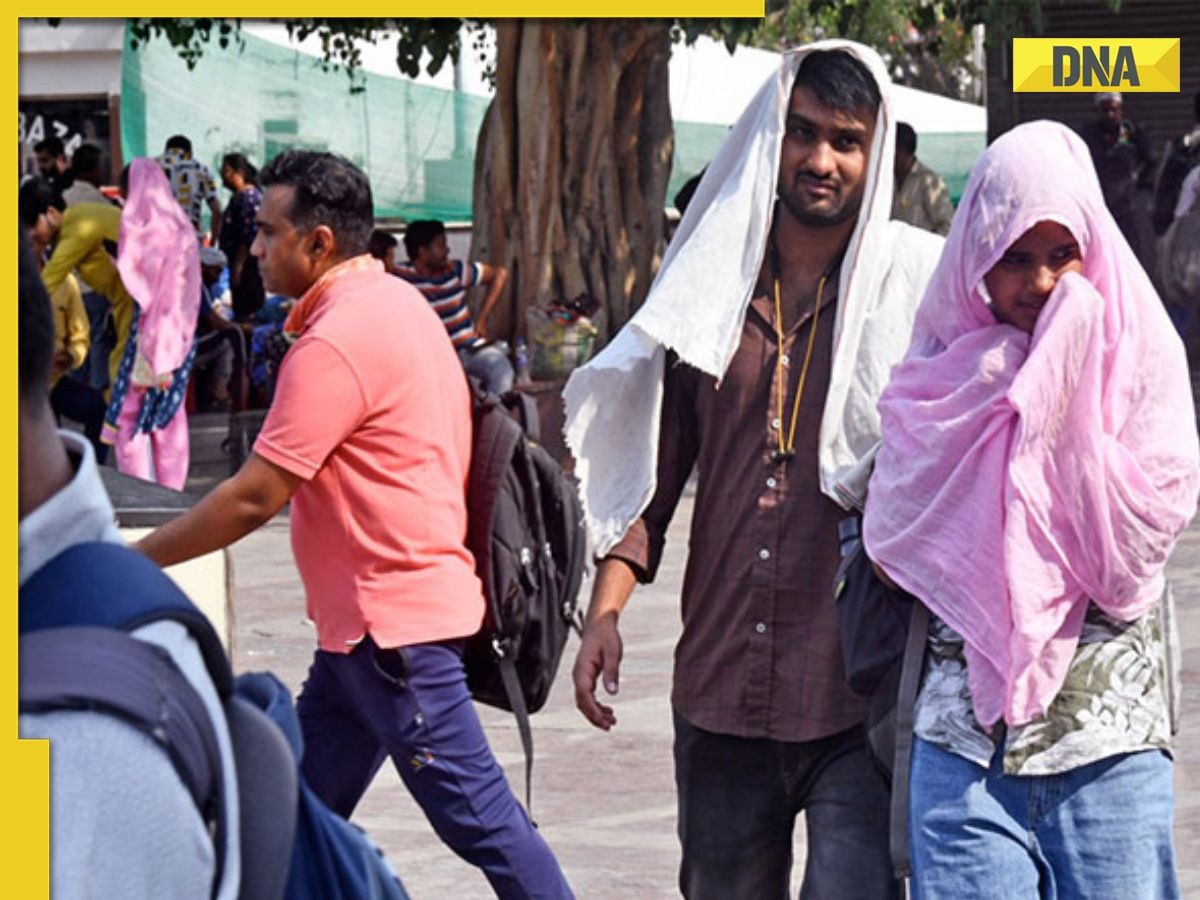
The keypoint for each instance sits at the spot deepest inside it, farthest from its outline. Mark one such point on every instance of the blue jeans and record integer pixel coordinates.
(411, 703)
(738, 802)
(1099, 831)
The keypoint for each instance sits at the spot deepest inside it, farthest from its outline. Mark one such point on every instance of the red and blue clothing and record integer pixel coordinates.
(447, 294)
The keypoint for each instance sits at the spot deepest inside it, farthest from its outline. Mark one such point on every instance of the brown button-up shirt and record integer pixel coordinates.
(760, 654)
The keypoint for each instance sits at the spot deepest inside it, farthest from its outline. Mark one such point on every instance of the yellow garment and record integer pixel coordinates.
(71, 331)
(80, 246)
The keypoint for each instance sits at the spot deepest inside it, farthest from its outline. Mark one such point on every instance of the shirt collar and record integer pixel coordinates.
(312, 299)
(79, 512)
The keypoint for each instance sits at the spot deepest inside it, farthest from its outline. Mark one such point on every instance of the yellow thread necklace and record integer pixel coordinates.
(787, 437)
(787, 440)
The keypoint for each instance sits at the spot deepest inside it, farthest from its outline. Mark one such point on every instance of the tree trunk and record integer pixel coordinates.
(572, 165)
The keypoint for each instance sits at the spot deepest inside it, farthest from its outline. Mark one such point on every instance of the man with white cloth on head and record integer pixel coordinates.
(784, 300)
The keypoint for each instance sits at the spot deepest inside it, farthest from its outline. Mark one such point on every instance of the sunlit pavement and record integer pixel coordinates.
(604, 802)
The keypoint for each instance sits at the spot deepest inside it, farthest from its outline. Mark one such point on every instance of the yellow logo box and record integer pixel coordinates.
(1088, 65)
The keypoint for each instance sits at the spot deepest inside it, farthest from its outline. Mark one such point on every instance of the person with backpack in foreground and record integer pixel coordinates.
(369, 437)
(785, 296)
(1039, 462)
(122, 822)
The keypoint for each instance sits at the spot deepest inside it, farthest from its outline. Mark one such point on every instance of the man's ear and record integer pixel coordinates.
(322, 243)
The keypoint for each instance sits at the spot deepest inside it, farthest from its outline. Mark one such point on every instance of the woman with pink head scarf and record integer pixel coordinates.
(158, 258)
(1039, 461)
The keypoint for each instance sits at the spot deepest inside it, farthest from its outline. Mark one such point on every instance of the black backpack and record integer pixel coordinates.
(883, 632)
(525, 529)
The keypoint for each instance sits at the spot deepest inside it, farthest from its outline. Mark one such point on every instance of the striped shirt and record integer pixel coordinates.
(447, 294)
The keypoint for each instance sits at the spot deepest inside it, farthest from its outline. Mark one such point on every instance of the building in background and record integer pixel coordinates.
(69, 87)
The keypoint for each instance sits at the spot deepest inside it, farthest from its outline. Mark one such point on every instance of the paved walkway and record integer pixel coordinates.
(605, 802)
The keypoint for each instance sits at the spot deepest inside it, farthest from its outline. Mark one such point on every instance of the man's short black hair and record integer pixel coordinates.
(330, 191)
(683, 197)
(86, 160)
(35, 197)
(420, 234)
(906, 138)
(839, 79)
(35, 327)
(179, 142)
(52, 145)
(380, 243)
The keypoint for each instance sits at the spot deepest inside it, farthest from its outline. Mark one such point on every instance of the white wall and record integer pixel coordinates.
(79, 58)
(708, 84)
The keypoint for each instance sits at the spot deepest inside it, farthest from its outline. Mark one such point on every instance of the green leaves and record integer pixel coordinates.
(188, 36)
(341, 40)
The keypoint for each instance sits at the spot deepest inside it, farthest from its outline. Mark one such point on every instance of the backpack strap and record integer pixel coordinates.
(89, 668)
(516, 699)
(906, 701)
(524, 410)
(111, 586)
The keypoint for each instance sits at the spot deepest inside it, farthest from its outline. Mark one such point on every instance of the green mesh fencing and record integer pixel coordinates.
(695, 146)
(416, 143)
(951, 155)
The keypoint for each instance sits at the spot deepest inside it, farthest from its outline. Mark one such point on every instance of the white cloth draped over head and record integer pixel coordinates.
(697, 305)
(1022, 476)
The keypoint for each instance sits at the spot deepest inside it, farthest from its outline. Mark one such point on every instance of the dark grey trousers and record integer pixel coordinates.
(738, 802)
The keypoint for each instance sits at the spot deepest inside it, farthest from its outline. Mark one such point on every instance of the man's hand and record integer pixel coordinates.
(61, 364)
(599, 654)
(214, 208)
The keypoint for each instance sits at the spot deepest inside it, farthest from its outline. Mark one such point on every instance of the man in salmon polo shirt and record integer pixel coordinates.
(369, 436)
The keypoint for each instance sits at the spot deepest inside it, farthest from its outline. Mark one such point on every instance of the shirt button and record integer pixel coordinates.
(760, 627)
(783, 360)
(764, 553)
(775, 424)
(770, 482)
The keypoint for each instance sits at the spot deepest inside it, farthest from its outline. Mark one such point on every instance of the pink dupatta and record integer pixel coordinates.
(159, 261)
(1022, 475)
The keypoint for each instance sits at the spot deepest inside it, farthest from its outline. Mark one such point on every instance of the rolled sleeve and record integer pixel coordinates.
(319, 401)
(638, 551)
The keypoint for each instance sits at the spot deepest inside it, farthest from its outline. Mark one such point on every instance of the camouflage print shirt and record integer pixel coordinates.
(1115, 700)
